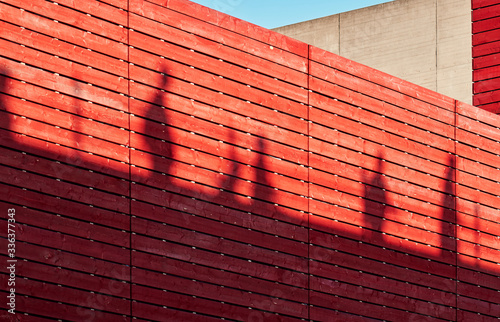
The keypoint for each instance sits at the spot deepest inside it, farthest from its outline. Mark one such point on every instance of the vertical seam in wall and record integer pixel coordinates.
(308, 183)
(129, 159)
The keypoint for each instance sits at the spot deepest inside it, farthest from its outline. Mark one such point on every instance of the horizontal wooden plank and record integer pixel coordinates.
(346, 65)
(485, 185)
(183, 221)
(52, 186)
(493, 107)
(478, 299)
(378, 239)
(390, 301)
(73, 227)
(217, 277)
(219, 244)
(476, 4)
(55, 64)
(63, 154)
(217, 49)
(71, 261)
(485, 49)
(78, 245)
(74, 18)
(66, 103)
(478, 251)
(63, 49)
(209, 64)
(99, 9)
(478, 114)
(485, 86)
(470, 211)
(217, 34)
(230, 216)
(209, 97)
(72, 296)
(364, 93)
(215, 83)
(485, 37)
(400, 257)
(476, 154)
(81, 129)
(226, 295)
(470, 262)
(489, 23)
(219, 261)
(158, 312)
(237, 25)
(379, 136)
(62, 31)
(486, 61)
(370, 310)
(56, 310)
(381, 283)
(325, 314)
(486, 13)
(477, 278)
(62, 84)
(198, 305)
(57, 135)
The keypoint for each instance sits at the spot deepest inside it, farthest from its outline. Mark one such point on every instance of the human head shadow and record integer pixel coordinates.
(375, 199)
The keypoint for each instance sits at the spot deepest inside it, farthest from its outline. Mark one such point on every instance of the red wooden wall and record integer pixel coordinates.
(169, 162)
(486, 54)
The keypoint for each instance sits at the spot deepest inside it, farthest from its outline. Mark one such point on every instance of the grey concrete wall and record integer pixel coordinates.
(427, 42)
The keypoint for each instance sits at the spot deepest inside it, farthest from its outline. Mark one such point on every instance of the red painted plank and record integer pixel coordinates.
(368, 251)
(52, 63)
(223, 214)
(63, 49)
(73, 279)
(63, 102)
(73, 18)
(56, 310)
(228, 171)
(363, 308)
(71, 261)
(220, 244)
(218, 277)
(488, 24)
(478, 217)
(477, 196)
(209, 64)
(218, 34)
(68, 138)
(72, 296)
(379, 239)
(486, 49)
(465, 316)
(63, 154)
(182, 221)
(488, 123)
(159, 312)
(63, 84)
(73, 244)
(477, 278)
(228, 296)
(486, 61)
(482, 184)
(99, 9)
(475, 154)
(491, 107)
(122, 4)
(486, 86)
(331, 81)
(215, 83)
(50, 186)
(484, 253)
(324, 314)
(195, 304)
(236, 25)
(219, 261)
(63, 32)
(380, 78)
(379, 136)
(206, 96)
(469, 262)
(479, 299)
(389, 300)
(486, 13)
(216, 49)
(79, 129)
(476, 4)
(73, 227)
(64, 207)
(486, 37)
(364, 279)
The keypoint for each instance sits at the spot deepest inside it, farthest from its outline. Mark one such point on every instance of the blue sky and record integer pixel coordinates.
(276, 13)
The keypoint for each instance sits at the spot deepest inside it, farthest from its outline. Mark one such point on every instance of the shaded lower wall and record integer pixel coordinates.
(168, 162)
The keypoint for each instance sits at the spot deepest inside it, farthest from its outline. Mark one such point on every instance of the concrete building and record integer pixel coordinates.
(427, 42)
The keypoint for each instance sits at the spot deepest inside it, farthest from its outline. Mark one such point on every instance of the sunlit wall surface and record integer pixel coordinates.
(168, 162)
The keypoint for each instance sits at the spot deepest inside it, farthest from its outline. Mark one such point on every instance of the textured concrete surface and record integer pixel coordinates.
(427, 42)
